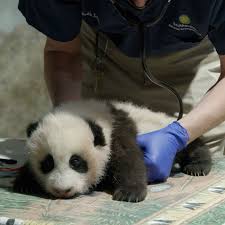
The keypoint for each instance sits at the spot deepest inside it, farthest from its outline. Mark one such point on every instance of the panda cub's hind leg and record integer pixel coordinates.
(196, 159)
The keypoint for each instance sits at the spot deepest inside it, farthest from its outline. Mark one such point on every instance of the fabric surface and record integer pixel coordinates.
(181, 200)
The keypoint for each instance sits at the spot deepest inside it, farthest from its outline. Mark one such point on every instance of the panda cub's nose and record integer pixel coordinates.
(62, 192)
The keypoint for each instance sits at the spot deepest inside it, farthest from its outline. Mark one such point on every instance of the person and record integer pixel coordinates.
(93, 49)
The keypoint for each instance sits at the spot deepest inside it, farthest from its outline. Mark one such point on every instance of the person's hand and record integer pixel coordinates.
(160, 148)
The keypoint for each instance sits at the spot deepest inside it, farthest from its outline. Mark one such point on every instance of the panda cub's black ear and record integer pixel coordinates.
(99, 138)
(31, 128)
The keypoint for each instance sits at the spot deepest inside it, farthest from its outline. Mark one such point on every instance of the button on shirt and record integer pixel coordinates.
(183, 26)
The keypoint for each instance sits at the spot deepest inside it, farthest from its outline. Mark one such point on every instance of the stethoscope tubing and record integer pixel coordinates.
(142, 26)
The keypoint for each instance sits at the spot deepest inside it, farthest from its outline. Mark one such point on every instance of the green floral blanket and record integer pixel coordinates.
(181, 200)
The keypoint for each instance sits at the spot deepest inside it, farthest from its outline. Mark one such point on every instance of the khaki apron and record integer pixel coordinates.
(191, 72)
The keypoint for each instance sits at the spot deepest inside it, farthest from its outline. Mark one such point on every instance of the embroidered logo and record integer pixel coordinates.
(183, 27)
(184, 24)
(185, 19)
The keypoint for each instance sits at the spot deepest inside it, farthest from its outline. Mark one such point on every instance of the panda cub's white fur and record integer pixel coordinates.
(71, 148)
(145, 119)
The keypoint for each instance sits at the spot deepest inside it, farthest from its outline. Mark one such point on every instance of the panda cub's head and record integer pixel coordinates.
(67, 153)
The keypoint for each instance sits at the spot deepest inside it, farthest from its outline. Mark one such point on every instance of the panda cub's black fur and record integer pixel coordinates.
(91, 145)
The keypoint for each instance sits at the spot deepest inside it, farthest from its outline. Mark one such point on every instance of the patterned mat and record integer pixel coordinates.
(181, 200)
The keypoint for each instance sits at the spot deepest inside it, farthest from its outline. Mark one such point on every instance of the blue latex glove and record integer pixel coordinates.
(160, 148)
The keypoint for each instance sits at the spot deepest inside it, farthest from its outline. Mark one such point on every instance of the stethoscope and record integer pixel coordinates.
(142, 26)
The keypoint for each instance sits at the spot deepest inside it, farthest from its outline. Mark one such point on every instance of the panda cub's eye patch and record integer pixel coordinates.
(78, 164)
(47, 165)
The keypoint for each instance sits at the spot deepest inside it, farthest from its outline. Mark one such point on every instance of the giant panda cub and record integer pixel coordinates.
(91, 145)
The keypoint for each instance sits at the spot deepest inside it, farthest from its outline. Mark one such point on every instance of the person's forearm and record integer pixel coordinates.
(63, 75)
(209, 113)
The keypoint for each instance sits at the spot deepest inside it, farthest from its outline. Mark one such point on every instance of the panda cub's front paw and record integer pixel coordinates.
(130, 194)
